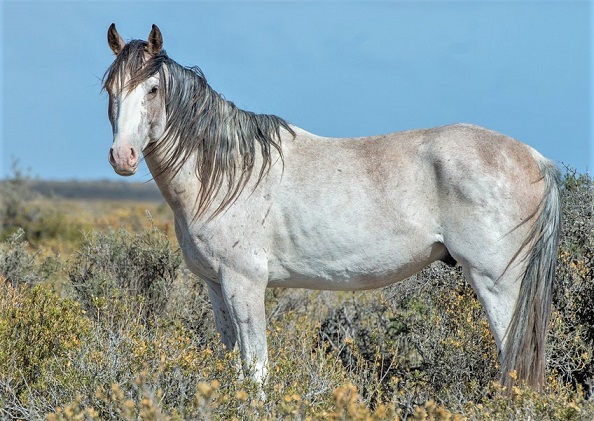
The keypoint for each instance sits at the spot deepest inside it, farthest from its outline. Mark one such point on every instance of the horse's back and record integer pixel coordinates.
(411, 164)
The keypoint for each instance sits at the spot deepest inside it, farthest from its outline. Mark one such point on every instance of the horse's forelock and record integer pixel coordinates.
(132, 66)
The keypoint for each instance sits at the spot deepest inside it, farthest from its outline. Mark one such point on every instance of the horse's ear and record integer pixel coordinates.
(155, 41)
(115, 41)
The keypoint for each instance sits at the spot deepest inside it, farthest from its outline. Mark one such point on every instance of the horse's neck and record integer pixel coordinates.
(180, 190)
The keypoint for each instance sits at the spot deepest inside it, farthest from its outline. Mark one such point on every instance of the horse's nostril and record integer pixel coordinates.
(132, 153)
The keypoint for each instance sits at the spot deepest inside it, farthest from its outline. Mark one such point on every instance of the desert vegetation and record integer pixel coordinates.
(100, 319)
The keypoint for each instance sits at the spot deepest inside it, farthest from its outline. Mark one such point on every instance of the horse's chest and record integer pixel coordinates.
(198, 254)
(208, 246)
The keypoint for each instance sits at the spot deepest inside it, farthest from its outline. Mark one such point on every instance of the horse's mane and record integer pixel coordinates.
(223, 138)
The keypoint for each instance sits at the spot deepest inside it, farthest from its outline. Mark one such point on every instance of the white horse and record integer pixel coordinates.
(261, 203)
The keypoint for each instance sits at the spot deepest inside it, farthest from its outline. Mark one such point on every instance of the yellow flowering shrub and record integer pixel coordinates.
(40, 335)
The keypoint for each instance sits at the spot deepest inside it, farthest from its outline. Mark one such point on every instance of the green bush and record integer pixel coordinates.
(425, 338)
(39, 336)
(114, 266)
(19, 265)
(15, 194)
(571, 354)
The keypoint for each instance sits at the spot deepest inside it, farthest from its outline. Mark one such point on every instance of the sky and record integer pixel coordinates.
(334, 68)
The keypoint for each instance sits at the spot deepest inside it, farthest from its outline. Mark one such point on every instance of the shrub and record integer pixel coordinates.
(425, 338)
(141, 344)
(18, 265)
(14, 196)
(39, 333)
(428, 337)
(189, 304)
(115, 266)
(571, 351)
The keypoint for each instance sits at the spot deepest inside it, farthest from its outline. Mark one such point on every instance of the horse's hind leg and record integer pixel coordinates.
(498, 293)
(516, 299)
(484, 250)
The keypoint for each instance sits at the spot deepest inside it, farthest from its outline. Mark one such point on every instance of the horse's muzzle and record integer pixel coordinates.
(124, 160)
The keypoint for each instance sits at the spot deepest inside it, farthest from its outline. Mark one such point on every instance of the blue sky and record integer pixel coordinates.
(334, 68)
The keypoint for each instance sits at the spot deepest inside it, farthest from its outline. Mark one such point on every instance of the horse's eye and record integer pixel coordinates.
(154, 90)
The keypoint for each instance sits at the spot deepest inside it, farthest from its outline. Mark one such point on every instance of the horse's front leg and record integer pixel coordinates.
(244, 299)
(221, 315)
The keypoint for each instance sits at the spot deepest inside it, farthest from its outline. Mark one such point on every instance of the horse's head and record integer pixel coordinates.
(135, 84)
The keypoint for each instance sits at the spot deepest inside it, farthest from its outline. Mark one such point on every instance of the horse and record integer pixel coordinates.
(259, 202)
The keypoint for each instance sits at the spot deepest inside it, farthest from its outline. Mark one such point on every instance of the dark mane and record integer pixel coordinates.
(224, 139)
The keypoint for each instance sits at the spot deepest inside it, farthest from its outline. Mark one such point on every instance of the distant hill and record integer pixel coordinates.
(98, 190)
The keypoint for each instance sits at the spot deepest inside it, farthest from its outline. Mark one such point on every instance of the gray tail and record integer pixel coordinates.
(526, 336)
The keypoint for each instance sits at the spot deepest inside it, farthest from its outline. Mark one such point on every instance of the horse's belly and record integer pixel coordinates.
(333, 243)
(373, 265)
(341, 280)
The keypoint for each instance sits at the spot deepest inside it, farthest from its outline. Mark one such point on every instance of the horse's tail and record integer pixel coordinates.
(524, 350)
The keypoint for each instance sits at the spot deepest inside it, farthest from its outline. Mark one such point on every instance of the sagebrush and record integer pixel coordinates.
(120, 329)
